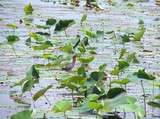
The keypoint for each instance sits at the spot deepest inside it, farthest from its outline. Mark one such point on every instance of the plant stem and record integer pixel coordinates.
(134, 115)
(14, 50)
(64, 115)
(47, 100)
(153, 98)
(33, 101)
(72, 97)
(144, 99)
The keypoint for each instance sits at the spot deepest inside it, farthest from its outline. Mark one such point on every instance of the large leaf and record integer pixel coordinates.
(28, 9)
(41, 92)
(11, 39)
(142, 74)
(62, 106)
(25, 114)
(139, 35)
(116, 101)
(28, 86)
(86, 59)
(97, 76)
(44, 46)
(92, 97)
(131, 100)
(115, 92)
(134, 108)
(95, 105)
(63, 25)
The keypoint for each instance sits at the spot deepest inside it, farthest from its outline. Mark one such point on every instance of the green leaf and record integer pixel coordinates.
(131, 100)
(13, 26)
(47, 56)
(41, 92)
(86, 59)
(28, 86)
(68, 48)
(43, 26)
(35, 72)
(115, 92)
(126, 38)
(130, 5)
(154, 104)
(92, 97)
(37, 37)
(95, 105)
(142, 74)
(116, 101)
(134, 108)
(141, 21)
(11, 39)
(139, 35)
(90, 33)
(123, 51)
(84, 17)
(25, 114)
(97, 76)
(100, 34)
(51, 22)
(122, 65)
(115, 72)
(102, 68)
(28, 9)
(44, 46)
(63, 25)
(81, 71)
(157, 97)
(132, 58)
(21, 82)
(62, 106)
(121, 82)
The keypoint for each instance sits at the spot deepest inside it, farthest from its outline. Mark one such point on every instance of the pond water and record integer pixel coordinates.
(118, 17)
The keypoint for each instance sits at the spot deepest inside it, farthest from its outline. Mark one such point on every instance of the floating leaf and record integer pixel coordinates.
(11, 39)
(84, 17)
(86, 59)
(28, 9)
(121, 82)
(25, 114)
(63, 25)
(44, 46)
(13, 26)
(62, 106)
(139, 35)
(123, 51)
(41, 92)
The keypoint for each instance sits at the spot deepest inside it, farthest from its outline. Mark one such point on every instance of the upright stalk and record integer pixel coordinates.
(144, 99)
(47, 100)
(13, 50)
